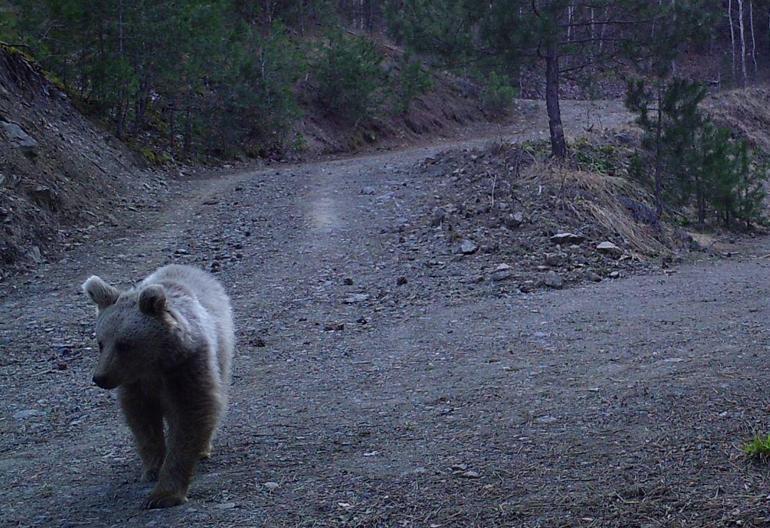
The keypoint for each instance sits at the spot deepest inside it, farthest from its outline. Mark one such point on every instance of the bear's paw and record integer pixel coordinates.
(163, 499)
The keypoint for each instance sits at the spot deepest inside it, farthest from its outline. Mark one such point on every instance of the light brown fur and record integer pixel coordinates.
(167, 345)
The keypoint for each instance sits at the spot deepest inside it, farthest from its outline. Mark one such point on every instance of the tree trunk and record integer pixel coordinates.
(744, 74)
(701, 198)
(188, 130)
(658, 154)
(732, 38)
(141, 103)
(302, 17)
(172, 125)
(603, 30)
(369, 15)
(753, 37)
(558, 143)
(122, 95)
(673, 60)
(120, 115)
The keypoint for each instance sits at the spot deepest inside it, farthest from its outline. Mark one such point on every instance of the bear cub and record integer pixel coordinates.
(167, 345)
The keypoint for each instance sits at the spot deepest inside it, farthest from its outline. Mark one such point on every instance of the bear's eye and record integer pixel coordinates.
(100, 345)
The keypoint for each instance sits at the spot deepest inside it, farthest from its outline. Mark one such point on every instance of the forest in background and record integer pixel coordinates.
(222, 78)
(219, 76)
(212, 77)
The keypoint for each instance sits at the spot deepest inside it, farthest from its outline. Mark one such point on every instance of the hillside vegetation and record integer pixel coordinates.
(226, 78)
(187, 80)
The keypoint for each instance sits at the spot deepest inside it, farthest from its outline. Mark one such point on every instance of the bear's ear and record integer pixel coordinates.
(152, 300)
(101, 293)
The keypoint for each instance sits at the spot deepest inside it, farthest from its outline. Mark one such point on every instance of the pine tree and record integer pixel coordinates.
(692, 161)
(574, 38)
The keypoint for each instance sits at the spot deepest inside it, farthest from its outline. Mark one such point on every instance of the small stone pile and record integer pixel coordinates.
(488, 212)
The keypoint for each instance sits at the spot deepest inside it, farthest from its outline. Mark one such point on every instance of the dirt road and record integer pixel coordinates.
(373, 403)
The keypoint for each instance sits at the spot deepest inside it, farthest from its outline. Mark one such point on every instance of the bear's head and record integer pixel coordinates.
(135, 331)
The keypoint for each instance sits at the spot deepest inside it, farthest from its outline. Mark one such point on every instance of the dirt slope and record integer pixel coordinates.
(439, 402)
(746, 112)
(57, 170)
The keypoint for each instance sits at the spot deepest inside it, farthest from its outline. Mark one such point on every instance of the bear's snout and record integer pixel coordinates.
(104, 382)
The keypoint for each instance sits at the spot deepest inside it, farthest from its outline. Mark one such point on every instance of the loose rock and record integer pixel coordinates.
(439, 214)
(43, 195)
(554, 259)
(608, 248)
(553, 280)
(27, 413)
(356, 298)
(502, 272)
(567, 238)
(17, 136)
(593, 276)
(512, 221)
(468, 247)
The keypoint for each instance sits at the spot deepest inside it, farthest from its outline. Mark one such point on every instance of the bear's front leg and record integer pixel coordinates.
(191, 426)
(145, 418)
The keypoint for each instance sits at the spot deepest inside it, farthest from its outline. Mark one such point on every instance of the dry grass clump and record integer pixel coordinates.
(746, 112)
(594, 189)
(608, 201)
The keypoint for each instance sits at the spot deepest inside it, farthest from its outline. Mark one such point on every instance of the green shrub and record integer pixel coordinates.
(689, 159)
(750, 191)
(349, 76)
(150, 155)
(498, 95)
(270, 68)
(411, 82)
(736, 190)
(758, 447)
